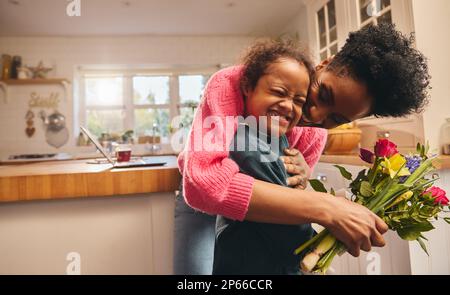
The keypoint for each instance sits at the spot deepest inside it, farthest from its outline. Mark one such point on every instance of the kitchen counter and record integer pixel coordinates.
(442, 163)
(78, 179)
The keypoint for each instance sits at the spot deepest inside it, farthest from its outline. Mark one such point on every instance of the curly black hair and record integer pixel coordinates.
(395, 73)
(264, 52)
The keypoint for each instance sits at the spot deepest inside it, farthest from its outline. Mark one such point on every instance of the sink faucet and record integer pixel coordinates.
(154, 147)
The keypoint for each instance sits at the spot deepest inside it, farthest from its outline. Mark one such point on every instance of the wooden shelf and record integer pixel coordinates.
(34, 81)
(4, 84)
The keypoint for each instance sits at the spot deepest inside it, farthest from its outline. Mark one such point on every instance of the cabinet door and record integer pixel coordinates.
(438, 243)
(405, 132)
(391, 259)
(107, 235)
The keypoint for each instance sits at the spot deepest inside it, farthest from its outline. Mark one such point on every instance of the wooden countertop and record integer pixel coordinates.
(442, 163)
(77, 178)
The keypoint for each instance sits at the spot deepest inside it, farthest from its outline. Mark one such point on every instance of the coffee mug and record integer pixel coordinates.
(123, 154)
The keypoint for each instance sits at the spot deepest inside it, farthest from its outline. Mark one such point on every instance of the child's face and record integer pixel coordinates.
(279, 95)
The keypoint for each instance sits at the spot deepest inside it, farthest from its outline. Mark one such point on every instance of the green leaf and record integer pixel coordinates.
(447, 219)
(422, 245)
(408, 235)
(347, 175)
(418, 147)
(424, 238)
(317, 185)
(366, 189)
(414, 231)
(332, 192)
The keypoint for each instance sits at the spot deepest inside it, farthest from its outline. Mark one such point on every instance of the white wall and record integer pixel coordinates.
(66, 53)
(432, 23)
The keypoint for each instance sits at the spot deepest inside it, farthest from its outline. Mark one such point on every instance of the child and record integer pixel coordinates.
(275, 84)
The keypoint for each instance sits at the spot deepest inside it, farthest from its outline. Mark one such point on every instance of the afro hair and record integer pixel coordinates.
(395, 73)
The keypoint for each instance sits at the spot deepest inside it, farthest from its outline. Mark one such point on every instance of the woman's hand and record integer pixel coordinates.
(296, 165)
(354, 225)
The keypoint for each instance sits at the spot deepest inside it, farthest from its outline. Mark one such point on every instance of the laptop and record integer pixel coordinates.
(137, 162)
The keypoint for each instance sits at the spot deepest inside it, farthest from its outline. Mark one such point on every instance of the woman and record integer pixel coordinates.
(377, 72)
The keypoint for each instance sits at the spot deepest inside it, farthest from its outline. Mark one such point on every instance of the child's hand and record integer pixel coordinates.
(296, 165)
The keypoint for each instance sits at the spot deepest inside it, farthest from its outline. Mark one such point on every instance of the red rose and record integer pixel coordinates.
(385, 148)
(366, 155)
(438, 194)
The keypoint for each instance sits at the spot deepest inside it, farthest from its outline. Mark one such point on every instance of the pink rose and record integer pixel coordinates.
(438, 194)
(385, 148)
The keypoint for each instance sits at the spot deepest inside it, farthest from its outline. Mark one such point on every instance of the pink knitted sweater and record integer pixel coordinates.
(211, 181)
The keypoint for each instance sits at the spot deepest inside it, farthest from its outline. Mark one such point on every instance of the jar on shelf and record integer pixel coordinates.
(446, 137)
(6, 69)
(15, 66)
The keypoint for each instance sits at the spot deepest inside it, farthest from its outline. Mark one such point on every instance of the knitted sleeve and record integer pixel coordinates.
(211, 181)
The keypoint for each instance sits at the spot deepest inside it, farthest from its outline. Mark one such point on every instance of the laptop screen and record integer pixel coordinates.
(96, 143)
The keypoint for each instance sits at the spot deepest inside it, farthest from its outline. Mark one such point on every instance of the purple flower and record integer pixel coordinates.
(412, 163)
(366, 156)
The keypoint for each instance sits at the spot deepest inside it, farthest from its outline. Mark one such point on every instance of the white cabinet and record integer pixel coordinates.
(105, 235)
(438, 244)
(393, 259)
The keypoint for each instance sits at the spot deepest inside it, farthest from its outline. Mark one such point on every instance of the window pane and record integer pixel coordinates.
(323, 55)
(385, 18)
(144, 119)
(331, 14)
(104, 91)
(363, 9)
(333, 34)
(99, 122)
(332, 21)
(375, 7)
(322, 31)
(151, 90)
(187, 116)
(191, 87)
(333, 49)
(385, 3)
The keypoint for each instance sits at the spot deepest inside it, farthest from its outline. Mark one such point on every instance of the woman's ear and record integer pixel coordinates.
(244, 88)
(324, 63)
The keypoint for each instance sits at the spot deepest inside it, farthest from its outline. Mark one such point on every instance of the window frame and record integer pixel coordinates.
(374, 18)
(128, 73)
(329, 44)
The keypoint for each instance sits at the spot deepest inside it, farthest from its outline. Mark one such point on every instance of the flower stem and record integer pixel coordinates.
(311, 241)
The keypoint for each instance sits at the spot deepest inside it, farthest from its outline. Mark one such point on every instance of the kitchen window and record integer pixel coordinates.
(143, 101)
(327, 35)
(374, 12)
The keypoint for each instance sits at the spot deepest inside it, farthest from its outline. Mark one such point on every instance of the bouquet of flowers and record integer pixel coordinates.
(396, 188)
